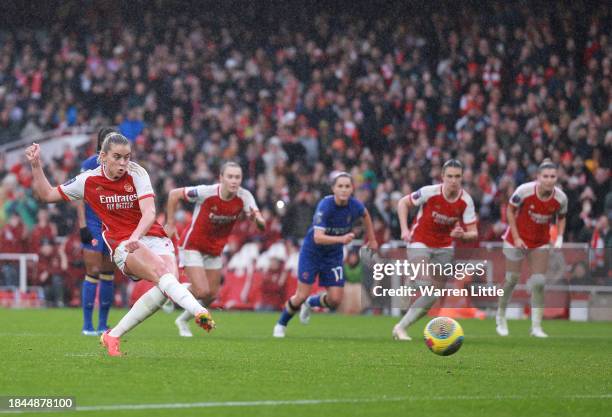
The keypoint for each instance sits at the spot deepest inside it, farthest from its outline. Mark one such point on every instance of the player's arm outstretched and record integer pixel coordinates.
(43, 191)
(176, 194)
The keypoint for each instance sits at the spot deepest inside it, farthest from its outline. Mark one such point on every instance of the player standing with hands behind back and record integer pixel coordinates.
(532, 208)
(99, 269)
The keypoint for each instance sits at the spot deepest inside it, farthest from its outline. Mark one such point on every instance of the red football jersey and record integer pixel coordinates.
(437, 216)
(114, 201)
(535, 215)
(213, 217)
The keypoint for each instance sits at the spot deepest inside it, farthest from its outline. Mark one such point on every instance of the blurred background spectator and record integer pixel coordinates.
(385, 90)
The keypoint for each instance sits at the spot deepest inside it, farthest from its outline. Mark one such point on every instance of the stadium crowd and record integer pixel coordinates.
(387, 94)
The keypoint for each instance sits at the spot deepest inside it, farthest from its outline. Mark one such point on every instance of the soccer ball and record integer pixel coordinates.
(443, 336)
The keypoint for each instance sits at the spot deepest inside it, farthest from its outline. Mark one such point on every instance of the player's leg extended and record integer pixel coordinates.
(332, 279)
(422, 305)
(514, 259)
(161, 270)
(292, 306)
(93, 261)
(538, 261)
(417, 310)
(107, 292)
(205, 284)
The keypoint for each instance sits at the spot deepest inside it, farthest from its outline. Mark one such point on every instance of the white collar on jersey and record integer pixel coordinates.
(107, 176)
(459, 194)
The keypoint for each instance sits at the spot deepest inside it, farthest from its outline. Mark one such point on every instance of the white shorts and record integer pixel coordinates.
(198, 259)
(512, 253)
(419, 251)
(158, 245)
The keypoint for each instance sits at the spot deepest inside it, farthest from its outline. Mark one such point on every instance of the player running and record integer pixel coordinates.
(322, 251)
(98, 266)
(120, 193)
(532, 208)
(218, 207)
(442, 209)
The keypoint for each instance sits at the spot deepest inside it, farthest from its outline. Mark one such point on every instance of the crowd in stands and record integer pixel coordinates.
(385, 90)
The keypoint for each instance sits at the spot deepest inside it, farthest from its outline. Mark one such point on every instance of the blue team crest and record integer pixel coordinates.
(70, 181)
(193, 193)
(516, 199)
(416, 195)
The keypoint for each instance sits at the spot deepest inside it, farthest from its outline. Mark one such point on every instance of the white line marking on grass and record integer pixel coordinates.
(273, 403)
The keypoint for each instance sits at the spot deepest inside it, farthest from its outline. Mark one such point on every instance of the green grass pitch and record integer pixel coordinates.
(337, 365)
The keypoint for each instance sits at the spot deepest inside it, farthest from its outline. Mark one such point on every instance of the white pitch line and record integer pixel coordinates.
(273, 403)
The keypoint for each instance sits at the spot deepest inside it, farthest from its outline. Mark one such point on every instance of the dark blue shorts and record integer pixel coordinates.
(95, 227)
(329, 270)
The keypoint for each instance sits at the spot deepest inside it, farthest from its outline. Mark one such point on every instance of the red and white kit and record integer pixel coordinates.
(438, 216)
(535, 215)
(212, 223)
(116, 204)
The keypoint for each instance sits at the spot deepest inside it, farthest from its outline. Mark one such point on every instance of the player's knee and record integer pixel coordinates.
(201, 293)
(297, 300)
(333, 300)
(160, 268)
(537, 281)
(92, 269)
(512, 277)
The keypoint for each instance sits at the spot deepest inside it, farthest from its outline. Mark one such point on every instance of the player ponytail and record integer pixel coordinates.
(546, 164)
(112, 138)
(452, 163)
(102, 134)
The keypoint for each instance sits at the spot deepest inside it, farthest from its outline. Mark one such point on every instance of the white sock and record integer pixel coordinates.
(185, 316)
(179, 294)
(149, 303)
(417, 310)
(512, 279)
(537, 282)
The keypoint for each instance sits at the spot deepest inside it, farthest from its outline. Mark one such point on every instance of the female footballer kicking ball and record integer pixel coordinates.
(321, 255)
(119, 191)
(532, 208)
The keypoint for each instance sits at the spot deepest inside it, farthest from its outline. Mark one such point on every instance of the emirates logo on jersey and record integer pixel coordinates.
(118, 202)
(443, 219)
(219, 219)
(539, 218)
(128, 188)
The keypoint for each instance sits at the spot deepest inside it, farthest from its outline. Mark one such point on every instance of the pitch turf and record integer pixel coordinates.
(340, 366)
